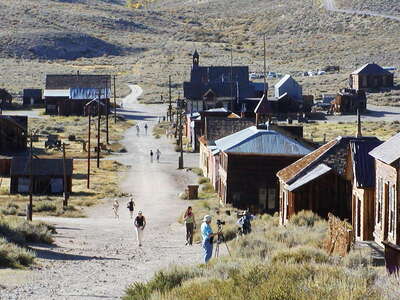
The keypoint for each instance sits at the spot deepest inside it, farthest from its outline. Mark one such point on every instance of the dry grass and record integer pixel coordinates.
(76, 126)
(104, 184)
(382, 130)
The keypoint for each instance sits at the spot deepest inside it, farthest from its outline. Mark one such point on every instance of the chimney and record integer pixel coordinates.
(358, 124)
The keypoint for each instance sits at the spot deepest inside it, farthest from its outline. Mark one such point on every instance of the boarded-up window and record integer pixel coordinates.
(380, 200)
(23, 185)
(392, 209)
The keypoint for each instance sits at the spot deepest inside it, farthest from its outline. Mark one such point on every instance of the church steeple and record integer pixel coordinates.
(196, 58)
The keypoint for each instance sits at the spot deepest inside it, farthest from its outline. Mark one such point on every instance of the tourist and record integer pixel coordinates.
(140, 224)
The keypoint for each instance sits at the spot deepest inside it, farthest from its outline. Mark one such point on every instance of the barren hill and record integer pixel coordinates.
(147, 45)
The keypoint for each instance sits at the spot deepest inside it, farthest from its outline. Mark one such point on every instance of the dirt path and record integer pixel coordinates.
(330, 5)
(97, 257)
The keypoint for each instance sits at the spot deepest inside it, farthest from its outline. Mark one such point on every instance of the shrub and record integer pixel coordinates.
(44, 206)
(305, 218)
(357, 259)
(202, 180)
(21, 231)
(300, 254)
(207, 187)
(13, 256)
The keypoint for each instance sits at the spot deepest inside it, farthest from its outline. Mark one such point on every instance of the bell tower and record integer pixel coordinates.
(196, 58)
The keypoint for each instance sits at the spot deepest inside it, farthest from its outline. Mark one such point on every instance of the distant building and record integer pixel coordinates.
(248, 163)
(68, 94)
(371, 76)
(48, 175)
(5, 98)
(218, 86)
(32, 97)
(287, 85)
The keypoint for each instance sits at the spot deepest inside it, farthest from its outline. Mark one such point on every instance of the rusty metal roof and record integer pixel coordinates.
(373, 69)
(389, 151)
(40, 167)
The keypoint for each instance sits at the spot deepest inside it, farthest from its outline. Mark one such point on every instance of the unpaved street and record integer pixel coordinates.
(97, 257)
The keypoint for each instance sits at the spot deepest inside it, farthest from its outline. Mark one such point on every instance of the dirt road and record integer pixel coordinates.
(97, 257)
(330, 5)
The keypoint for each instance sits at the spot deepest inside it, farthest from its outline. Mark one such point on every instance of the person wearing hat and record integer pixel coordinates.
(207, 236)
(140, 224)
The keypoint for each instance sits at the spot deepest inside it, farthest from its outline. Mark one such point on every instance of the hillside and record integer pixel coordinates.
(146, 45)
(391, 7)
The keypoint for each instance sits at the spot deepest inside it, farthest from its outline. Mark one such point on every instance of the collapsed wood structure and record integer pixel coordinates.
(47, 175)
(68, 94)
(349, 101)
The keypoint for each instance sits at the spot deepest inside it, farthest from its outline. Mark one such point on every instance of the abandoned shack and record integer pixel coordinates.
(287, 85)
(48, 175)
(68, 94)
(248, 162)
(318, 181)
(32, 97)
(371, 76)
(13, 134)
(348, 101)
(361, 172)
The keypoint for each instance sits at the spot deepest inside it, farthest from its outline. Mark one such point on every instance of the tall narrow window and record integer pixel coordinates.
(380, 199)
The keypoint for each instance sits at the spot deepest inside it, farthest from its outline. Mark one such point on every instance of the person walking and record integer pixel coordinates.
(151, 156)
(207, 238)
(115, 208)
(158, 153)
(131, 207)
(190, 225)
(145, 128)
(140, 224)
(137, 129)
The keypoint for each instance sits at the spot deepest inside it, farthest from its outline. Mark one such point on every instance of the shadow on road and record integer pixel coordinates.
(52, 255)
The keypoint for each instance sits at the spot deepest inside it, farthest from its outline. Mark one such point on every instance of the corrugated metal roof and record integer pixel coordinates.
(370, 69)
(311, 174)
(389, 151)
(261, 141)
(88, 93)
(363, 163)
(56, 93)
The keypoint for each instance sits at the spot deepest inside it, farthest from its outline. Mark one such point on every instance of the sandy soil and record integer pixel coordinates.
(97, 257)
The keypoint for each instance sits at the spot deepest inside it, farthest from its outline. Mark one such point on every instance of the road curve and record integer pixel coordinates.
(330, 5)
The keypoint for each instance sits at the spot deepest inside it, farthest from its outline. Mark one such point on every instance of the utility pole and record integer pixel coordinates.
(180, 110)
(265, 68)
(30, 204)
(115, 102)
(170, 100)
(66, 193)
(232, 78)
(88, 147)
(107, 134)
(98, 130)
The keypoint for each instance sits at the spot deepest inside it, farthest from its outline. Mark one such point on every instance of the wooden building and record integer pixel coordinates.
(387, 206)
(289, 86)
(217, 86)
(13, 134)
(371, 76)
(248, 162)
(68, 94)
(318, 182)
(5, 98)
(32, 97)
(361, 172)
(48, 175)
(348, 101)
